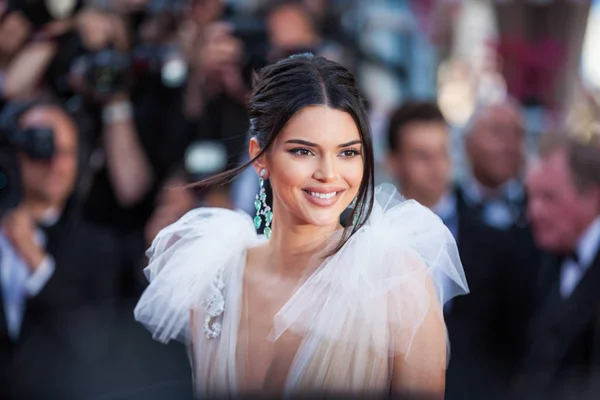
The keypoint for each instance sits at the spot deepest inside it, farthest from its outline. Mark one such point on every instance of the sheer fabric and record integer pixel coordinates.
(344, 323)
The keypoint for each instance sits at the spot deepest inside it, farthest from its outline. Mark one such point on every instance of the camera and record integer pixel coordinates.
(10, 181)
(104, 72)
(37, 143)
(98, 74)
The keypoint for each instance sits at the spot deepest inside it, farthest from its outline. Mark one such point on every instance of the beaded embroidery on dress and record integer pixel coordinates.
(353, 312)
(215, 305)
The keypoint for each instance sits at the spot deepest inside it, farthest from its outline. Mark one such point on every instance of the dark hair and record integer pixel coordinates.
(284, 88)
(583, 156)
(408, 113)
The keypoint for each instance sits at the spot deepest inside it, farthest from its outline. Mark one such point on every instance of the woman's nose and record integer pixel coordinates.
(326, 170)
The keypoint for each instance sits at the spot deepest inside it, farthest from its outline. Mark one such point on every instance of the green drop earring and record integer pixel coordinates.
(356, 210)
(262, 208)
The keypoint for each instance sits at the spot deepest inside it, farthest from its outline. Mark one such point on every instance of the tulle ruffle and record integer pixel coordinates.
(391, 273)
(184, 260)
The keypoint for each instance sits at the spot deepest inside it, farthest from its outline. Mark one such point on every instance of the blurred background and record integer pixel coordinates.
(108, 108)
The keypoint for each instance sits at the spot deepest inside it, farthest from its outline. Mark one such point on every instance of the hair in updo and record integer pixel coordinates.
(299, 81)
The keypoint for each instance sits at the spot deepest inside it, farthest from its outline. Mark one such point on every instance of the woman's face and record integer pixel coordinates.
(315, 167)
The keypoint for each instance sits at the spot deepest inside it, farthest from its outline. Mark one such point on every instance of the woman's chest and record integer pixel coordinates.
(263, 363)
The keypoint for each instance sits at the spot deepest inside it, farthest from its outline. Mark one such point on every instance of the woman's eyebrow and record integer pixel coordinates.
(350, 143)
(302, 142)
(311, 144)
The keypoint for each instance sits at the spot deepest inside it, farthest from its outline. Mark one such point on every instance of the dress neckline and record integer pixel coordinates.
(273, 336)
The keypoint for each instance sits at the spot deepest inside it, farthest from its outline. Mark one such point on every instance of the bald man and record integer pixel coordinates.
(495, 149)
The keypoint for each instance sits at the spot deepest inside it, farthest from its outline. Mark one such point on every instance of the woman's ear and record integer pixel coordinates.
(254, 150)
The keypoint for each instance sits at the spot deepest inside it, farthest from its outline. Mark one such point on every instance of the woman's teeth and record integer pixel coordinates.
(323, 195)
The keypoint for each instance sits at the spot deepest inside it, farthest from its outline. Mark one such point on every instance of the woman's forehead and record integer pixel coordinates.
(322, 125)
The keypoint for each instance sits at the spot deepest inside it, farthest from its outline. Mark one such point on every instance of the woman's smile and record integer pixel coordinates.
(323, 197)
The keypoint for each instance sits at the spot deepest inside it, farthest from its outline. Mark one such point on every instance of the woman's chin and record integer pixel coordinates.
(323, 221)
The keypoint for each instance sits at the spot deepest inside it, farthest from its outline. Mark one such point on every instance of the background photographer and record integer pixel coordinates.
(138, 130)
(55, 268)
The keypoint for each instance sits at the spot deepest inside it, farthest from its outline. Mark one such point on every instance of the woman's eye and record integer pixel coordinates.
(350, 153)
(301, 152)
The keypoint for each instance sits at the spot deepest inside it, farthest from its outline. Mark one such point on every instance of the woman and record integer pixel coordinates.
(310, 307)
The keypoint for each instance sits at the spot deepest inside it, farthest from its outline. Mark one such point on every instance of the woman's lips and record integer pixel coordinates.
(322, 198)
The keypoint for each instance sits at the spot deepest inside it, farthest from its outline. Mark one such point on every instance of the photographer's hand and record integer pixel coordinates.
(19, 228)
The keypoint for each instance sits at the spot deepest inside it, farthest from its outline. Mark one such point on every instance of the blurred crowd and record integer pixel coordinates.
(109, 109)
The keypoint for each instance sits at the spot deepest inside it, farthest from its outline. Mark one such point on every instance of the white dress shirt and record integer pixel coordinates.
(498, 211)
(572, 271)
(19, 283)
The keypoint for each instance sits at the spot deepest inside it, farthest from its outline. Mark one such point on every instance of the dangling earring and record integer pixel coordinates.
(356, 210)
(262, 208)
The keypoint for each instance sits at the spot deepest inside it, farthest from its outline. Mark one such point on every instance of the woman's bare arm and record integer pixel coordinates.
(421, 372)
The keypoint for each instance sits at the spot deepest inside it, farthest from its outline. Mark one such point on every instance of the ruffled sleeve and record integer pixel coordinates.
(184, 260)
(380, 287)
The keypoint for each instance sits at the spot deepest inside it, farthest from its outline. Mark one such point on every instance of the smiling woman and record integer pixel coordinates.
(310, 308)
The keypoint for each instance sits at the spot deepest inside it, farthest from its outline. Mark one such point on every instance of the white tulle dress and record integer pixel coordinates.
(353, 312)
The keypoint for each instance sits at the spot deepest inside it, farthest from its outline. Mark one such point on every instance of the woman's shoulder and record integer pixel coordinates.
(408, 235)
(184, 260)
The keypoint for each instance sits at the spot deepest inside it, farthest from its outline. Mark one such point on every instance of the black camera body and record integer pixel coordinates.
(105, 72)
(36, 143)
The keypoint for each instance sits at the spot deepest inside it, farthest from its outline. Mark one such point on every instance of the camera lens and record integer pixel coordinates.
(10, 186)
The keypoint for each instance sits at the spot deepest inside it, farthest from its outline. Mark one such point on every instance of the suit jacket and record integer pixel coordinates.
(487, 326)
(79, 339)
(59, 330)
(564, 337)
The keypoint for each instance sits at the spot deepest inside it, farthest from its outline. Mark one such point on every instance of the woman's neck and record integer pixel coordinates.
(292, 247)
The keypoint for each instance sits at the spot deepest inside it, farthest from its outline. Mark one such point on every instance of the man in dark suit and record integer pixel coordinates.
(484, 325)
(564, 207)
